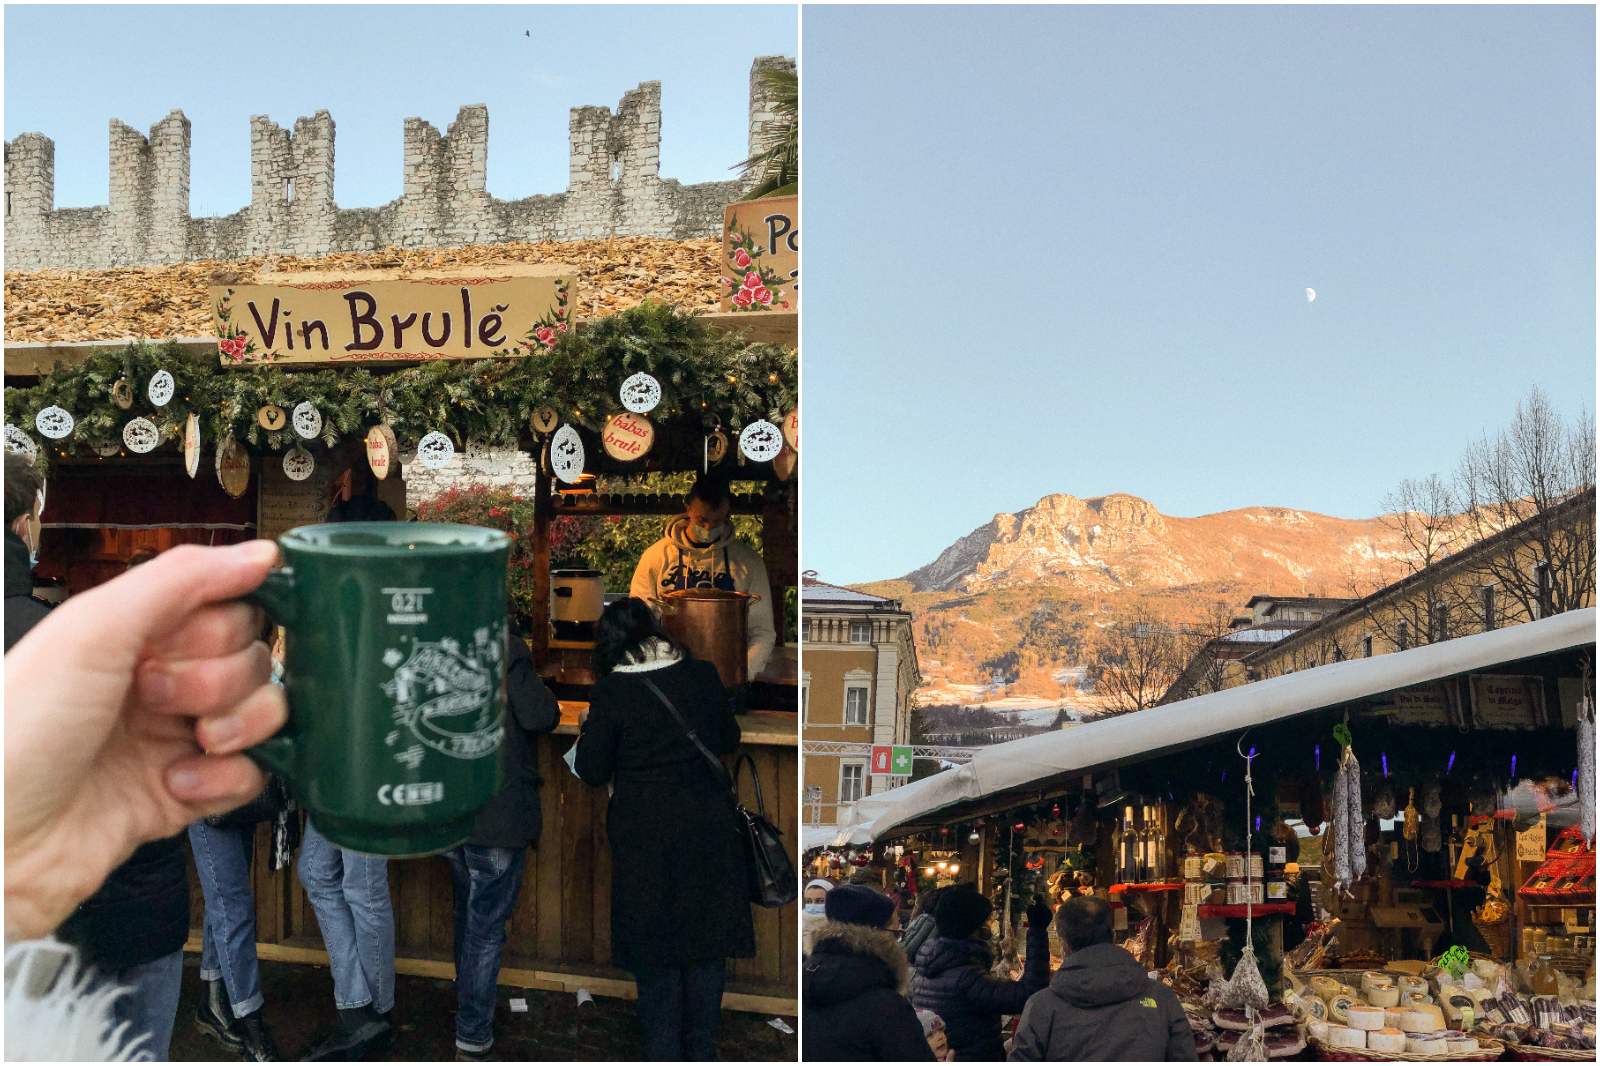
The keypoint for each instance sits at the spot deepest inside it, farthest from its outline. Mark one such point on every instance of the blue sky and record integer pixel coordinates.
(1066, 250)
(70, 69)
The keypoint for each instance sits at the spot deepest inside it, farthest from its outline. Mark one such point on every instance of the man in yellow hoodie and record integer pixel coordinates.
(700, 550)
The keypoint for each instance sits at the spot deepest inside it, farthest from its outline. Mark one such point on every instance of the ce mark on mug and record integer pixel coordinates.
(414, 795)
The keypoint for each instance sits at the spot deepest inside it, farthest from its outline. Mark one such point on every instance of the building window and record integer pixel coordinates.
(855, 706)
(851, 778)
(1486, 607)
(805, 701)
(1542, 581)
(1402, 636)
(861, 632)
(1366, 647)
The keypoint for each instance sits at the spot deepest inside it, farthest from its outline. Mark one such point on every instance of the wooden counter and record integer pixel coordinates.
(560, 935)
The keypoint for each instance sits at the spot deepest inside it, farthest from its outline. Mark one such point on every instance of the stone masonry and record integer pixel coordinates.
(614, 186)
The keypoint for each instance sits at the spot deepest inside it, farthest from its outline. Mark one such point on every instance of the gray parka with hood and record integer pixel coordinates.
(1102, 1006)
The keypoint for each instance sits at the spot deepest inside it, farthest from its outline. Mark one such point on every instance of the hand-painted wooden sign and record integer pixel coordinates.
(761, 255)
(627, 436)
(375, 316)
(191, 444)
(233, 467)
(1507, 701)
(382, 452)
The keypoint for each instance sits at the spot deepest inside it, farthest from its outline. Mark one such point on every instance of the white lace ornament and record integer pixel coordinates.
(160, 388)
(141, 435)
(298, 464)
(566, 454)
(641, 393)
(307, 420)
(54, 422)
(18, 441)
(761, 441)
(435, 450)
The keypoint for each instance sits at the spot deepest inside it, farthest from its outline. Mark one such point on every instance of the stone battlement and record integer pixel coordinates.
(614, 186)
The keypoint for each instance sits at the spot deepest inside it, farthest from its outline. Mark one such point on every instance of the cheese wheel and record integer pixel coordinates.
(1392, 1016)
(1413, 984)
(1326, 987)
(1415, 998)
(1434, 1013)
(1344, 1036)
(1383, 996)
(1386, 1039)
(1463, 1045)
(1318, 1029)
(1314, 1007)
(1413, 1020)
(1364, 1017)
(1339, 1008)
(1425, 1044)
(1374, 977)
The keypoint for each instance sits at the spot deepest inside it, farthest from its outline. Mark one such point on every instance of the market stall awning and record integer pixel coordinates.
(1177, 726)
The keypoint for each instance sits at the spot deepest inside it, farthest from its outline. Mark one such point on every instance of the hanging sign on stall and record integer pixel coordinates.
(283, 503)
(1422, 705)
(627, 436)
(1531, 844)
(761, 255)
(791, 429)
(191, 444)
(233, 467)
(381, 450)
(1507, 701)
(375, 316)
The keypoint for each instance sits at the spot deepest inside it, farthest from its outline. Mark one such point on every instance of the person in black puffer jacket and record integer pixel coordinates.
(853, 984)
(953, 974)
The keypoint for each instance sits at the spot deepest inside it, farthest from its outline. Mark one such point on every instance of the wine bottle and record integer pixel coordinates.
(1128, 850)
(1155, 850)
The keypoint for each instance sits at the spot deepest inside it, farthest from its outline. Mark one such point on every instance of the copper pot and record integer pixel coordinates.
(713, 624)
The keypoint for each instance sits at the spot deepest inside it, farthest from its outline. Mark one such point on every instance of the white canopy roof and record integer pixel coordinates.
(1134, 737)
(853, 828)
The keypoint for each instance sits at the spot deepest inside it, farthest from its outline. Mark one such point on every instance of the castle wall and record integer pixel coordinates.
(614, 186)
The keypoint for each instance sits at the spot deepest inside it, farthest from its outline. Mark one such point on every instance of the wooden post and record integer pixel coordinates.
(543, 515)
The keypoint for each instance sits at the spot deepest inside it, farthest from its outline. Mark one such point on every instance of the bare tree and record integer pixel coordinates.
(1136, 661)
(1202, 653)
(1522, 475)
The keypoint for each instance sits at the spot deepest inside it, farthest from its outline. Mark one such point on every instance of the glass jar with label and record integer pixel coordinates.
(1255, 869)
(1235, 868)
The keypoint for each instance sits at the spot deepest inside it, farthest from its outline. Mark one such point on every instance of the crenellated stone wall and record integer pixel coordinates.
(614, 186)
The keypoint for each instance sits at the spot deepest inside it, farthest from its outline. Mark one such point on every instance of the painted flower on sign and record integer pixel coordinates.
(741, 298)
(754, 290)
(741, 259)
(234, 342)
(543, 334)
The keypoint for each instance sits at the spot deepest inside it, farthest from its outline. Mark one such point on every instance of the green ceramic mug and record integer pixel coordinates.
(394, 667)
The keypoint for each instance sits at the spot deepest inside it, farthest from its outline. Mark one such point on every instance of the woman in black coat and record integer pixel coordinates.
(680, 901)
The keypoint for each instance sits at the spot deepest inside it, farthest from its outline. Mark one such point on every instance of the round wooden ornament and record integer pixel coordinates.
(191, 444)
(627, 436)
(233, 467)
(382, 452)
(122, 394)
(716, 446)
(106, 445)
(272, 417)
(141, 435)
(791, 429)
(784, 464)
(544, 420)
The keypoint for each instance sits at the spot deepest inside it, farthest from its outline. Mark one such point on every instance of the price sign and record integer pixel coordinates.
(1531, 843)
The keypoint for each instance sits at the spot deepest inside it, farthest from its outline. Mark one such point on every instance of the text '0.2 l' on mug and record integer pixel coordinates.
(394, 661)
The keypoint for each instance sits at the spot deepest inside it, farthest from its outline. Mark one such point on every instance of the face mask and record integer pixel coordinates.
(704, 534)
(816, 908)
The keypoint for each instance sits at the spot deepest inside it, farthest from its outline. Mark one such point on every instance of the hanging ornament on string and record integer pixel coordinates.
(272, 417)
(19, 442)
(760, 441)
(1413, 822)
(641, 393)
(122, 393)
(716, 446)
(477, 449)
(233, 467)
(141, 435)
(105, 445)
(298, 464)
(784, 464)
(160, 388)
(435, 450)
(307, 420)
(382, 451)
(544, 420)
(791, 429)
(191, 444)
(627, 437)
(408, 450)
(566, 454)
(54, 422)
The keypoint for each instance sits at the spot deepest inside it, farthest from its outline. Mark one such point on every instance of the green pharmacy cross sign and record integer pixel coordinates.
(893, 759)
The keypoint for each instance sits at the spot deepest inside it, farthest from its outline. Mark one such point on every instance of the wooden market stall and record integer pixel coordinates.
(109, 503)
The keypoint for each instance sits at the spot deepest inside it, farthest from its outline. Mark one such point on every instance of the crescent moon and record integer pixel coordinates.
(1311, 295)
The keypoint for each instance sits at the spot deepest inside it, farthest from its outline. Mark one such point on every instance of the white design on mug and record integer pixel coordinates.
(406, 608)
(411, 794)
(449, 700)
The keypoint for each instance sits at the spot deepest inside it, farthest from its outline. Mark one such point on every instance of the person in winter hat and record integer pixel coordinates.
(953, 977)
(700, 550)
(853, 983)
(1101, 1005)
(933, 1033)
(921, 927)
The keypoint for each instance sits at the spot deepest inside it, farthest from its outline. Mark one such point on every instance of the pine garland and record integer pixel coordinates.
(708, 377)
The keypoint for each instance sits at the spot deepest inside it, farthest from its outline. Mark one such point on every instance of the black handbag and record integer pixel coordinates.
(773, 881)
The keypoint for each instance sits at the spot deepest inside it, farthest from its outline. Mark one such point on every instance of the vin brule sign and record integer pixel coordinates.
(376, 316)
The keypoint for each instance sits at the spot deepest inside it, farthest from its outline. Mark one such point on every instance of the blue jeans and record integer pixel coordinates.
(679, 1007)
(350, 893)
(228, 937)
(151, 1003)
(486, 882)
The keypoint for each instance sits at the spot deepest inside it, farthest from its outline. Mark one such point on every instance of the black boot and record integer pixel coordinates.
(258, 1042)
(359, 1029)
(214, 1017)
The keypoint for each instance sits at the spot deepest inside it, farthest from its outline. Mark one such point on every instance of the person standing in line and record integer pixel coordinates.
(921, 927)
(486, 871)
(1101, 1005)
(23, 609)
(683, 909)
(349, 892)
(953, 977)
(853, 984)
